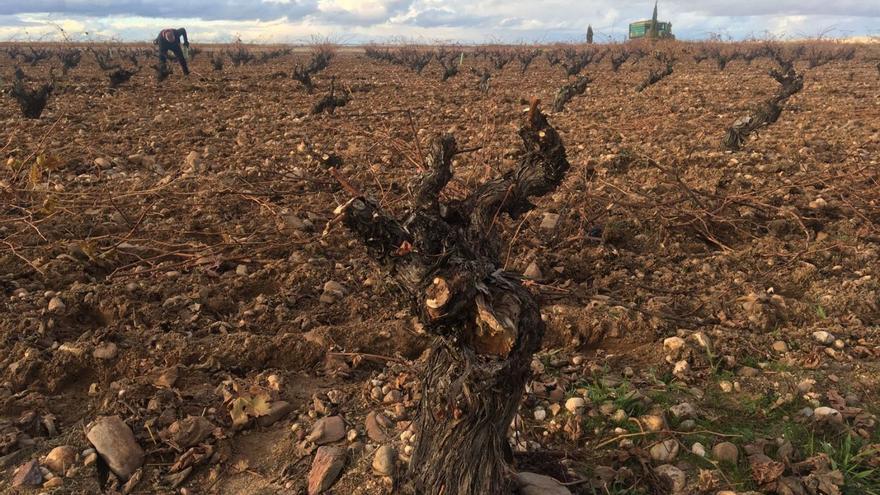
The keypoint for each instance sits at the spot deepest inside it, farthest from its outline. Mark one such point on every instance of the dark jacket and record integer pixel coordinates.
(169, 37)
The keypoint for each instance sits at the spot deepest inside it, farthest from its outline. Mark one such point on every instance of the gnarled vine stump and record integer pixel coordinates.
(487, 325)
(768, 111)
(32, 101)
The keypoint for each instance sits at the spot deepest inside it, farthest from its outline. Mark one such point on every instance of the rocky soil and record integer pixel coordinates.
(181, 311)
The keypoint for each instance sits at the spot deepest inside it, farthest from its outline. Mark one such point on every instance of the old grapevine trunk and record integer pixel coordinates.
(487, 325)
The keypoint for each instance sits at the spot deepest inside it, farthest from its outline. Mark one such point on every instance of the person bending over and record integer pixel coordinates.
(169, 40)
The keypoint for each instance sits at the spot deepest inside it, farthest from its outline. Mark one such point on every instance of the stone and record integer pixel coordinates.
(685, 410)
(190, 431)
(653, 422)
(665, 451)
(72, 349)
(327, 430)
(698, 449)
(115, 443)
(681, 369)
(56, 305)
(575, 404)
(400, 412)
(823, 337)
(540, 414)
(392, 397)
(538, 484)
(827, 414)
(384, 462)
(806, 385)
(326, 467)
(673, 344)
(105, 351)
(533, 272)
(375, 427)
(726, 452)
(28, 474)
(278, 410)
(818, 203)
(675, 478)
(687, 425)
(336, 396)
(102, 162)
(333, 291)
(725, 386)
(780, 347)
(748, 372)
(193, 160)
(334, 288)
(275, 382)
(549, 221)
(60, 459)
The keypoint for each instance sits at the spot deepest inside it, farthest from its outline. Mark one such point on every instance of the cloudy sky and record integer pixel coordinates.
(356, 21)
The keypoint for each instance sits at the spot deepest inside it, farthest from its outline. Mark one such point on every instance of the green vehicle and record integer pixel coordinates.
(651, 29)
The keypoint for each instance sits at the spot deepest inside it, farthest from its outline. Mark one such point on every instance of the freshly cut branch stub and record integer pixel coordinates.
(496, 326)
(438, 295)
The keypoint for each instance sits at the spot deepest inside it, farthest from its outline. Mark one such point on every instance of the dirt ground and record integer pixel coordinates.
(170, 251)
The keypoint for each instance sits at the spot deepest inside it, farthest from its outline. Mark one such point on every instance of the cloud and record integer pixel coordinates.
(197, 9)
(444, 16)
(431, 20)
(361, 12)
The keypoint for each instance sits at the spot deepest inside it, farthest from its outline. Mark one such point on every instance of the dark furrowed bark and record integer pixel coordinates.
(468, 403)
(487, 324)
(768, 111)
(31, 101)
(569, 91)
(542, 166)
